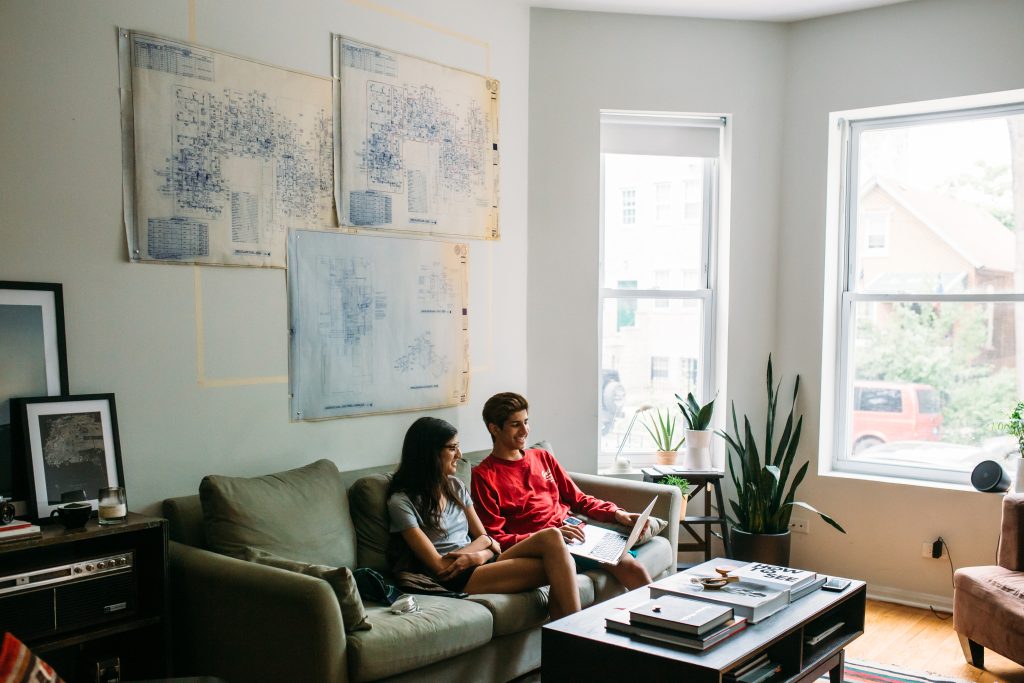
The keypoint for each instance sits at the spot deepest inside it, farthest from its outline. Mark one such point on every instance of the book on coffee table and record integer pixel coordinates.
(775, 576)
(619, 622)
(747, 599)
(693, 617)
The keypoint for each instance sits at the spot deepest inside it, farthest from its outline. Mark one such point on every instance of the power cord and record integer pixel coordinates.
(949, 556)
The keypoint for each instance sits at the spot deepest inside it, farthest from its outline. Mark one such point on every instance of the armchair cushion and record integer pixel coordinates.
(340, 580)
(300, 514)
(368, 497)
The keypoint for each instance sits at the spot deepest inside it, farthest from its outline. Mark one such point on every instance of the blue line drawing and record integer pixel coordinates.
(244, 148)
(422, 133)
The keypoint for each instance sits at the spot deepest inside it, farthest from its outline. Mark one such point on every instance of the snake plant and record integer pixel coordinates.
(763, 502)
(697, 417)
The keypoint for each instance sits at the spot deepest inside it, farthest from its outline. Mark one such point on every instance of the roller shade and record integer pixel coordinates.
(660, 135)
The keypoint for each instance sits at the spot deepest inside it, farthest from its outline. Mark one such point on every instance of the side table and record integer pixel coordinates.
(703, 479)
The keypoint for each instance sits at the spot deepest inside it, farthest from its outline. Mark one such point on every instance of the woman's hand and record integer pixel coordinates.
(458, 562)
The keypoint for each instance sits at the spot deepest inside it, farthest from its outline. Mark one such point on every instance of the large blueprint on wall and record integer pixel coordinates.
(222, 155)
(379, 324)
(418, 144)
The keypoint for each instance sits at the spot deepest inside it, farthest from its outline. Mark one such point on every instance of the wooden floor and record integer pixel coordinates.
(918, 640)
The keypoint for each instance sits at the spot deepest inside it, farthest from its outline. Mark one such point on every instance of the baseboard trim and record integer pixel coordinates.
(939, 603)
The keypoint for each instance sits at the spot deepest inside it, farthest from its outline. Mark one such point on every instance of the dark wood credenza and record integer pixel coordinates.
(91, 600)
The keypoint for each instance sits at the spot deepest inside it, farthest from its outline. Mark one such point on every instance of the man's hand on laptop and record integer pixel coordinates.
(628, 519)
(572, 533)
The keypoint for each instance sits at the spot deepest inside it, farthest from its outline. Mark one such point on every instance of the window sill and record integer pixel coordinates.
(890, 479)
(634, 475)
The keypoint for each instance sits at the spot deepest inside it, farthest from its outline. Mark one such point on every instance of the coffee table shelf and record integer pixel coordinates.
(579, 646)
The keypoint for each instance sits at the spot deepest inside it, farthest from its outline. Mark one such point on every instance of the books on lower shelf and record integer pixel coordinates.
(18, 530)
(619, 621)
(813, 639)
(758, 669)
(747, 599)
(693, 617)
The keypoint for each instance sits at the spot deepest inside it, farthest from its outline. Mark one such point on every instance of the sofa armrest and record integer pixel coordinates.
(634, 496)
(1011, 538)
(245, 622)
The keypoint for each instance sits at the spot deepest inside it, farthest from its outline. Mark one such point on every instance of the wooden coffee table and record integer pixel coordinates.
(579, 648)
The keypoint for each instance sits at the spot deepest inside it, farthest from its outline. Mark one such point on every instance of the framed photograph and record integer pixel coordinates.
(33, 362)
(72, 449)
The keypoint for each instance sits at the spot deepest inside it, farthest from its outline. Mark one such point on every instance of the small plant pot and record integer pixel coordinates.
(665, 457)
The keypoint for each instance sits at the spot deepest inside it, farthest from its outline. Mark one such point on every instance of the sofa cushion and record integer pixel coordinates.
(301, 514)
(517, 612)
(442, 628)
(340, 580)
(368, 498)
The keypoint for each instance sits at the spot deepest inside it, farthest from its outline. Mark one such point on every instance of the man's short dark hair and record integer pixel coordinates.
(500, 406)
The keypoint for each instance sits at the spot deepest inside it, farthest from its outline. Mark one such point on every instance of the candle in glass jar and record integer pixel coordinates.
(113, 506)
(119, 511)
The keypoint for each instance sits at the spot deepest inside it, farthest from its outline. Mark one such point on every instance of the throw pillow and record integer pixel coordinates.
(340, 579)
(301, 513)
(655, 526)
(19, 665)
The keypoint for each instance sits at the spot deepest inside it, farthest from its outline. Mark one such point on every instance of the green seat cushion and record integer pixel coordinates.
(515, 612)
(441, 629)
(340, 579)
(301, 514)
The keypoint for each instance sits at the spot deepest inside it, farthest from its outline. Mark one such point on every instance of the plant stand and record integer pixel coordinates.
(705, 480)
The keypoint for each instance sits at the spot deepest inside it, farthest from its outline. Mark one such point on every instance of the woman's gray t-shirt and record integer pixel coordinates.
(454, 531)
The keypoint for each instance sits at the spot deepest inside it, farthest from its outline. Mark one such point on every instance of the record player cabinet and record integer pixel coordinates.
(93, 602)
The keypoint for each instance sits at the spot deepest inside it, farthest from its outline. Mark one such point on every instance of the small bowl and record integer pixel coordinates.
(73, 515)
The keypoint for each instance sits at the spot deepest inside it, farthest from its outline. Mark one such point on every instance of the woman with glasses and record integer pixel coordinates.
(432, 511)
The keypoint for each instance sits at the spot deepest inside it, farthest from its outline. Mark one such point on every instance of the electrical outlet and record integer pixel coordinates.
(926, 550)
(798, 526)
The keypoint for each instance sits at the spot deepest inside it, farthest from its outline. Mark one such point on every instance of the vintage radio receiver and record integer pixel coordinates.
(62, 598)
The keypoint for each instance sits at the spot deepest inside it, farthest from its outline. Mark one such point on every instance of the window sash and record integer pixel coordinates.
(849, 165)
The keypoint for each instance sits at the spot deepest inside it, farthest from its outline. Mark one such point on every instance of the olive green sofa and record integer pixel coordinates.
(247, 622)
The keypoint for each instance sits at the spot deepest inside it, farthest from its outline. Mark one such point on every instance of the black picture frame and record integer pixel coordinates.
(72, 449)
(33, 362)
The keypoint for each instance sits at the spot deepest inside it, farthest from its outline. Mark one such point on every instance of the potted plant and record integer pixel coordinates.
(765, 497)
(698, 436)
(663, 430)
(684, 487)
(1015, 428)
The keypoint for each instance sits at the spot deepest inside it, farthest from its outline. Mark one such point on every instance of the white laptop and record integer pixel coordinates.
(607, 546)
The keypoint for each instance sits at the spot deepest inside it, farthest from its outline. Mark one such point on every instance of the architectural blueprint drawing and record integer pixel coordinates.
(223, 155)
(418, 144)
(378, 324)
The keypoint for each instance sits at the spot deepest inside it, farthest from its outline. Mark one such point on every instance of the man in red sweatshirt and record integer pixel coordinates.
(519, 491)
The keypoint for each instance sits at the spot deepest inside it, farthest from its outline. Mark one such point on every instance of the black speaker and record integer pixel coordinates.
(988, 475)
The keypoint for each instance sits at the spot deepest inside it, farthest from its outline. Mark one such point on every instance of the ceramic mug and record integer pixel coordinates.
(73, 515)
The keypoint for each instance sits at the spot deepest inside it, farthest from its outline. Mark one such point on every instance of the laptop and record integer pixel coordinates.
(607, 546)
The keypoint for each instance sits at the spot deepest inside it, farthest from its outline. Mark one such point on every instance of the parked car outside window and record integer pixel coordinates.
(894, 411)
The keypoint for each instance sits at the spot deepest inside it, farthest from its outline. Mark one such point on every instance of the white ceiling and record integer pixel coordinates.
(759, 10)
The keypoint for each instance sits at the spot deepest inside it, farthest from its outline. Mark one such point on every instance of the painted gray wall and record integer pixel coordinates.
(780, 82)
(581, 63)
(131, 328)
(903, 53)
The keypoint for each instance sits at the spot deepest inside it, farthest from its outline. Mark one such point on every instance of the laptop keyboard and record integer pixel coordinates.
(610, 549)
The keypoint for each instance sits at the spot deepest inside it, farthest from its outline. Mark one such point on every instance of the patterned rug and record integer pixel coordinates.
(866, 672)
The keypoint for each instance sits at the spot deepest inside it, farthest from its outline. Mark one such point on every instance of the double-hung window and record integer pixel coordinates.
(924, 336)
(659, 191)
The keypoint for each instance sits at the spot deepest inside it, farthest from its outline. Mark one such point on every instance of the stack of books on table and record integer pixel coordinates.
(761, 591)
(757, 670)
(18, 531)
(687, 623)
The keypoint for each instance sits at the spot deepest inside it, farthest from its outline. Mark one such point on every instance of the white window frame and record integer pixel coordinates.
(841, 246)
(705, 293)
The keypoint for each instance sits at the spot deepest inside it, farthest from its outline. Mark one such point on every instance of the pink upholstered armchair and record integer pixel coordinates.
(988, 602)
